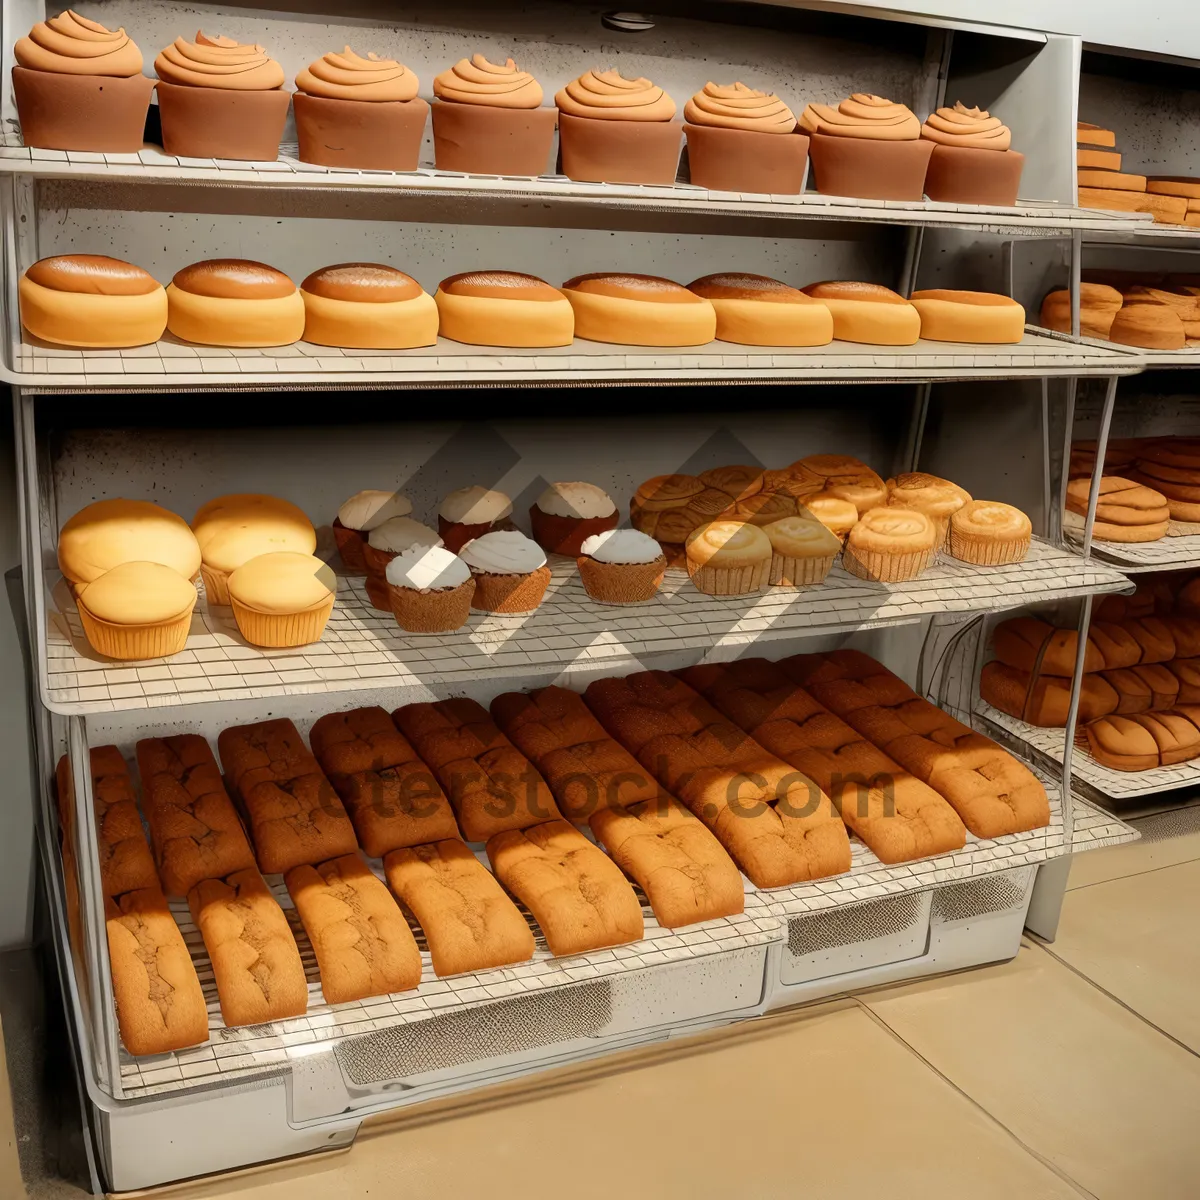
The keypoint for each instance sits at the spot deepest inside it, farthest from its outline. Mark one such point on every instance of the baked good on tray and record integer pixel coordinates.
(220, 99)
(803, 551)
(1125, 511)
(621, 566)
(1172, 467)
(973, 161)
(358, 516)
(755, 310)
(429, 590)
(939, 499)
(728, 558)
(367, 306)
(80, 86)
(107, 533)
(359, 112)
(868, 312)
(1045, 700)
(989, 533)
(1146, 740)
(469, 922)
(126, 864)
(234, 302)
(577, 894)
(639, 310)
(565, 515)
(138, 610)
(891, 545)
(842, 476)
(981, 318)
(488, 119)
(92, 301)
(471, 512)
(503, 308)
(1149, 326)
(1098, 307)
(282, 599)
(509, 570)
(743, 140)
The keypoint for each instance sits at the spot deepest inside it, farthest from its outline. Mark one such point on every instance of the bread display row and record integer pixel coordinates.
(92, 301)
(1163, 314)
(79, 86)
(688, 781)
(1103, 183)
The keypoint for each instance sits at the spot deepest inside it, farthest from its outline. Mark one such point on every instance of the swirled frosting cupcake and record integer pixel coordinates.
(489, 119)
(867, 146)
(219, 98)
(510, 572)
(79, 86)
(734, 143)
(973, 161)
(617, 130)
(359, 112)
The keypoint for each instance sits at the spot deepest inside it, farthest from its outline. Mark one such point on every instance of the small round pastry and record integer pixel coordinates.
(111, 532)
(489, 120)
(234, 302)
(395, 536)
(983, 318)
(890, 545)
(972, 160)
(938, 499)
(1098, 306)
(282, 599)
(137, 610)
(469, 513)
(990, 534)
(617, 130)
(356, 518)
(430, 590)
(639, 310)
(836, 513)
(666, 509)
(503, 308)
(754, 310)
(367, 306)
(738, 482)
(844, 477)
(92, 301)
(359, 112)
(765, 507)
(565, 515)
(621, 566)
(868, 313)
(509, 570)
(728, 558)
(802, 551)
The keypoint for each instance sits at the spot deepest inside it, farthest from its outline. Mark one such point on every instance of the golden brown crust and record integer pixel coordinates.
(735, 285)
(499, 285)
(126, 864)
(234, 279)
(91, 274)
(650, 288)
(849, 290)
(979, 299)
(364, 283)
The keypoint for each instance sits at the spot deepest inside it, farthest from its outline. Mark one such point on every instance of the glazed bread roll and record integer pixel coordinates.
(1125, 511)
(503, 308)
(868, 313)
(988, 533)
(890, 545)
(937, 498)
(983, 318)
(367, 306)
(92, 301)
(802, 551)
(728, 558)
(639, 310)
(1149, 326)
(111, 532)
(841, 476)
(1146, 740)
(1098, 306)
(234, 302)
(837, 514)
(754, 310)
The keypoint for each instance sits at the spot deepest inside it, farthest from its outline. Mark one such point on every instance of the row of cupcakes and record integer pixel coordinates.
(79, 86)
(94, 301)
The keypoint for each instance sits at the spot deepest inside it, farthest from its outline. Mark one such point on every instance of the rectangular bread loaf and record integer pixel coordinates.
(196, 832)
(1146, 740)
(469, 921)
(255, 961)
(262, 752)
(160, 1006)
(1166, 210)
(126, 864)
(1187, 671)
(363, 944)
(775, 822)
(685, 872)
(584, 767)
(1045, 701)
(1098, 160)
(576, 893)
(492, 786)
(392, 796)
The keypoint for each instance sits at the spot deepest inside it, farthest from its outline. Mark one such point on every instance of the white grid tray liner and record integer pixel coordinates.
(364, 648)
(1095, 828)
(1175, 552)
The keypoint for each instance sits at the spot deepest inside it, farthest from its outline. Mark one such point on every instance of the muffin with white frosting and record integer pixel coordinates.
(471, 512)
(394, 536)
(356, 518)
(510, 572)
(430, 590)
(565, 515)
(621, 566)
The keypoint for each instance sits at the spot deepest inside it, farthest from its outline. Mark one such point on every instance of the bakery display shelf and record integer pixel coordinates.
(1046, 745)
(182, 366)
(364, 648)
(153, 165)
(1176, 552)
(1095, 829)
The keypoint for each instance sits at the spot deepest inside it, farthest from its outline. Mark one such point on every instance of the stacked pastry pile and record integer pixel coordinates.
(1171, 199)
(1153, 312)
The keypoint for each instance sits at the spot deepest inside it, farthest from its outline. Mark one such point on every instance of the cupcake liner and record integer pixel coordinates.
(216, 584)
(799, 572)
(440, 611)
(352, 547)
(987, 551)
(621, 583)
(130, 642)
(730, 581)
(375, 562)
(282, 630)
(566, 535)
(509, 593)
(888, 568)
(377, 593)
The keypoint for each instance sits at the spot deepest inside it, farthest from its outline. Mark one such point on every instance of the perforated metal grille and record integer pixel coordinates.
(508, 1027)
(862, 923)
(961, 901)
(1164, 826)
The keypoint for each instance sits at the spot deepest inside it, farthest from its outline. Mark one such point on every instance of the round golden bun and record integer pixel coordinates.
(868, 313)
(892, 531)
(233, 279)
(836, 513)
(367, 306)
(850, 290)
(639, 310)
(734, 285)
(234, 302)
(245, 509)
(736, 481)
(632, 287)
(92, 274)
(983, 318)
(728, 544)
(802, 537)
(111, 532)
(755, 310)
(282, 582)
(370, 283)
(988, 533)
(503, 308)
(139, 593)
(665, 491)
(844, 477)
(499, 285)
(936, 497)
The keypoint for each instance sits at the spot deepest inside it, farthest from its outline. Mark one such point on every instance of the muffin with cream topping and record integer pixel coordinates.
(566, 514)
(621, 566)
(471, 512)
(430, 590)
(394, 536)
(973, 161)
(743, 140)
(359, 112)
(356, 518)
(510, 572)
(488, 119)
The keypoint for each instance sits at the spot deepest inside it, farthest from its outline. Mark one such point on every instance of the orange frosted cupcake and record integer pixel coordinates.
(973, 161)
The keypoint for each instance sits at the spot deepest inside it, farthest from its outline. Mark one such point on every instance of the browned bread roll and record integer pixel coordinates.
(469, 922)
(1149, 326)
(842, 476)
(1120, 502)
(194, 827)
(254, 957)
(126, 864)
(1045, 701)
(499, 285)
(1037, 648)
(1187, 672)
(576, 893)
(1144, 741)
(363, 944)
(1153, 637)
(492, 786)
(93, 274)
(1098, 306)
(371, 283)
(233, 279)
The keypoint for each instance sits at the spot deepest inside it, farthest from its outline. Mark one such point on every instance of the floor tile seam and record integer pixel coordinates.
(1183, 862)
(989, 1116)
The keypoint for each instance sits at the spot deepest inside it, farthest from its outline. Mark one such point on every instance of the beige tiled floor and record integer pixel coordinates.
(1070, 1072)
